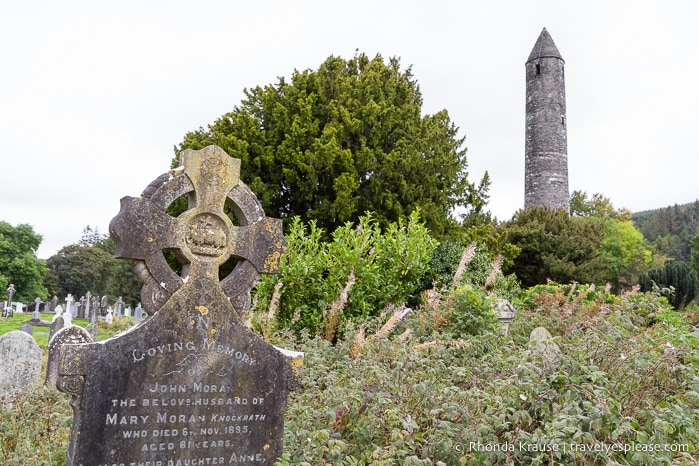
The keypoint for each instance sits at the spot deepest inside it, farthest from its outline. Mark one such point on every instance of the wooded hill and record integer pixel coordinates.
(670, 229)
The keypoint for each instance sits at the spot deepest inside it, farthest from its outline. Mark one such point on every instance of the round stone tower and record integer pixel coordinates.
(546, 142)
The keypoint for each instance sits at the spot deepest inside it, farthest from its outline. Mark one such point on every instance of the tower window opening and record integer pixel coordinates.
(563, 120)
(538, 68)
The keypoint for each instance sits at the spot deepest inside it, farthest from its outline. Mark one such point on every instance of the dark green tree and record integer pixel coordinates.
(90, 266)
(677, 275)
(19, 264)
(347, 139)
(555, 246)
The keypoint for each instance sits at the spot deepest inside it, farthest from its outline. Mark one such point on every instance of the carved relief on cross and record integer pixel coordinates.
(203, 237)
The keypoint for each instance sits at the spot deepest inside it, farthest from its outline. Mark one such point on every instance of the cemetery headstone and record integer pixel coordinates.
(7, 310)
(54, 303)
(191, 384)
(70, 308)
(58, 312)
(20, 361)
(88, 306)
(72, 335)
(118, 309)
(109, 318)
(27, 328)
(67, 319)
(505, 312)
(81, 309)
(138, 314)
(104, 305)
(56, 325)
(36, 315)
(541, 342)
(94, 310)
(93, 330)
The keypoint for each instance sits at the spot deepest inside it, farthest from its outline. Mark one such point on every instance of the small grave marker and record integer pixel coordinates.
(20, 361)
(541, 342)
(7, 310)
(69, 335)
(191, 384)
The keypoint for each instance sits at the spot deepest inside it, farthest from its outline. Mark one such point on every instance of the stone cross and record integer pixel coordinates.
(118, 308)
(95, 310)
(88, 303)
(7, 312)
(36, 315)
(58, 311)
(191, 384)
(138, 314)
(69, 304)
(81, 308)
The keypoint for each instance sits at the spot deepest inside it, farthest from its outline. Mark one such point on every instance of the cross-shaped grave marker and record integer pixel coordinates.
(191, 383)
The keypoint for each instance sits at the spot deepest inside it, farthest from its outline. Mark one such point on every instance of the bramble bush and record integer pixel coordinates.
(420, 397)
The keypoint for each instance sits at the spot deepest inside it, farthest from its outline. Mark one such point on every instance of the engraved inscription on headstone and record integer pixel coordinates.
(191, 384)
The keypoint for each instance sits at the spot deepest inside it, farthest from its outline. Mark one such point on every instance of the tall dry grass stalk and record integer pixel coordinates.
(274, 302)
(466, 258)
(435, 343)
(357, 343)
(391, 323)
(497, 266)
(332, 316)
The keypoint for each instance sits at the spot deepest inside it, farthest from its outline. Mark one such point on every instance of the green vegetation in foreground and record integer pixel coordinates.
(427, 389)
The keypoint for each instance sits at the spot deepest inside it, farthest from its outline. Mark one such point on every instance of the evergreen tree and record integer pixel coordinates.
(347, 139)
(676, 275)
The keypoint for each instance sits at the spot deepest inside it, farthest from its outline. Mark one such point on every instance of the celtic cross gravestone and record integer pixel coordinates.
(191, 384)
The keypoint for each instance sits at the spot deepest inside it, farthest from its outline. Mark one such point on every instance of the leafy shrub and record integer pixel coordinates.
(470, 312)
(445, 261)
(374, 267)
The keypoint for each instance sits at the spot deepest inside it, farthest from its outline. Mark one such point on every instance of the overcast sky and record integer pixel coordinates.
(94, 95)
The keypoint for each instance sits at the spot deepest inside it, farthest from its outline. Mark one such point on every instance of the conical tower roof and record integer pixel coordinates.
(544, 48)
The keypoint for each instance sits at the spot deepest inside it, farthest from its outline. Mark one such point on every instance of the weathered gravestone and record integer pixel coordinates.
(69, 335)
(7, 310)
(20, 361)
(56, 324)
(541, 343)
(191, 384)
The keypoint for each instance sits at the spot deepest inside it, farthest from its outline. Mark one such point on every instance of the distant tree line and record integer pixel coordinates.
(90, 265)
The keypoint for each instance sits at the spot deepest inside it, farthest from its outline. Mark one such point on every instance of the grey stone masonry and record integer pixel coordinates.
(191, 384)
(546, 140)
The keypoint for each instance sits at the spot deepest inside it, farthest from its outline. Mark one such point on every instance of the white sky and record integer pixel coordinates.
(94, 95)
